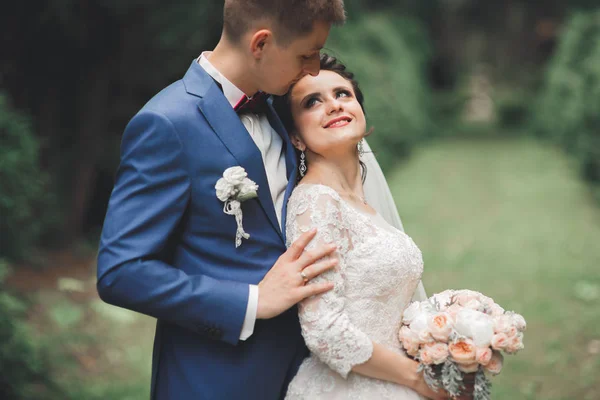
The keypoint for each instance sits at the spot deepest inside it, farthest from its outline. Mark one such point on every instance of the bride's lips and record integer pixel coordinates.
(339, 122)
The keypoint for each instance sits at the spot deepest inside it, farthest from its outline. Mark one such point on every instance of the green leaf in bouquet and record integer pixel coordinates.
(429, 376)
(452, 378)
(483, 386)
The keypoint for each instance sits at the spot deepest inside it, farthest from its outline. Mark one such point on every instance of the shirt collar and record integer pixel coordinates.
(231, 92)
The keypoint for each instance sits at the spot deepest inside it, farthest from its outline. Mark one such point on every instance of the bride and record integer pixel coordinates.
(351, 331)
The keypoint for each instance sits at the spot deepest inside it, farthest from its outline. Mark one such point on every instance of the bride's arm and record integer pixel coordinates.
(390, 366)
(328, 331)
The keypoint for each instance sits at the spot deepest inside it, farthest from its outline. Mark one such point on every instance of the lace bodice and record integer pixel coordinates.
(378, 271)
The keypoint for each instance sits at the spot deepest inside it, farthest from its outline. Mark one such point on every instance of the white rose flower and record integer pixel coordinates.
(235, 175)
(420, 326)
(411, 312)
(475, 325)
(225, 190)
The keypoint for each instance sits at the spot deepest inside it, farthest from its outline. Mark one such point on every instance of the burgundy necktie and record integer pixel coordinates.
(256, 104)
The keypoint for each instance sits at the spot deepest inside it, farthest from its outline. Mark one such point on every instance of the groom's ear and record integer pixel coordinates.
(259, 40)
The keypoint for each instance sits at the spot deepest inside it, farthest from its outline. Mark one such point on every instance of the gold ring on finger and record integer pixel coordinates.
(304, 277)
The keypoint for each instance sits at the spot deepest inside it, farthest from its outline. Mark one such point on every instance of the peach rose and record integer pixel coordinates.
(499, 341)
(440, 326)
(515, 343)
(495, 364)
(409, 341)
(463, 351)
(465, 296)
(434, 353)
(483, 355)
(468, 368)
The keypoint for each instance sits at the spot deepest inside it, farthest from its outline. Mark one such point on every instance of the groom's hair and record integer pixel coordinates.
(290, 18)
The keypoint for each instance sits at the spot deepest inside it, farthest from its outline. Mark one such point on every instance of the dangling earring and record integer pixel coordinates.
(361, 149)
(302, 166)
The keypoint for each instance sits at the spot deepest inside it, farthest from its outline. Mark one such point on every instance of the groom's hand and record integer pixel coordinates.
(284, 285)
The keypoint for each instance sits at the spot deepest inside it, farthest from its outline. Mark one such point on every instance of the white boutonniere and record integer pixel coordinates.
(234, 188)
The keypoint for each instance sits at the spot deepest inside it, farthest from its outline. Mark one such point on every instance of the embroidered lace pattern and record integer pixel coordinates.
(378, 271)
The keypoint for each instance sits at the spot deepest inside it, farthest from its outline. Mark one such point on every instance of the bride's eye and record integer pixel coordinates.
(343, 93)
(311, 102)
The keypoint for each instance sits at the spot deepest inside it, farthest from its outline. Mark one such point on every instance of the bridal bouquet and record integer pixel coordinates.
(457, 332)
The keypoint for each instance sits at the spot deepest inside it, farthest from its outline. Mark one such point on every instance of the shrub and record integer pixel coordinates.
(567, 111)
(25, 374)
(21, 183)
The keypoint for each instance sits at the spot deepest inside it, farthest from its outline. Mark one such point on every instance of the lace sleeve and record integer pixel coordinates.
(327, 329)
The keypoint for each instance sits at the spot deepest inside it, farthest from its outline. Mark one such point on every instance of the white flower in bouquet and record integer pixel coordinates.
(475, 325)
(518, 321)
(474, 305)
(411, 312)
(443, 299)
(465, 296)
(496, 310)
(502, 323)
(420, 326)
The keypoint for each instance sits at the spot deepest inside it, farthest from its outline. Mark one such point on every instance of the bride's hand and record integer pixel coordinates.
(422, 388)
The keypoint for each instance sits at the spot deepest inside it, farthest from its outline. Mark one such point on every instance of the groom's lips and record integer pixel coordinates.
(338, 119)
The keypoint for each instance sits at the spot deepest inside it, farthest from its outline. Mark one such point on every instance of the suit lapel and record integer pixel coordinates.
(227, 125)
(290, 161)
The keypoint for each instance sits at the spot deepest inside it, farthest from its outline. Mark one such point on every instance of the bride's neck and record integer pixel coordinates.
(343, 175)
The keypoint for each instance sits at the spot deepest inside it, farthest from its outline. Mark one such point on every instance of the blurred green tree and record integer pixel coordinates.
(25, 373)
(23, 189)
(82, 69)
(389, 59)
(567, 110)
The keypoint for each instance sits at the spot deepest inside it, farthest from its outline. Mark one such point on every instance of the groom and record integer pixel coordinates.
(226, 325)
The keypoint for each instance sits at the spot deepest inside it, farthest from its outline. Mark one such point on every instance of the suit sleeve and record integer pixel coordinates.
(150, 197)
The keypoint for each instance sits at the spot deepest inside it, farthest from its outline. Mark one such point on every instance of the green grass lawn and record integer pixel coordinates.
(511, 218)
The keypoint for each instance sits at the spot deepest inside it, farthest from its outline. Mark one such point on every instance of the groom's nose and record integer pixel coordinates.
(312, 66)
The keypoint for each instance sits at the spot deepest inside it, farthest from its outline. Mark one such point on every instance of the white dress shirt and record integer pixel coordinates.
(272, 151)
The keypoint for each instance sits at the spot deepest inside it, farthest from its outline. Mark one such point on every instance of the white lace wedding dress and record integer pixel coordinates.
(379, 269)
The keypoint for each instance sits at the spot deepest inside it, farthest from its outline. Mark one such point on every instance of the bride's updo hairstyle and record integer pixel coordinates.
(283, 105)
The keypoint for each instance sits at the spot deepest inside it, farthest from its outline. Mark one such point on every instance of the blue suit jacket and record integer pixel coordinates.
(168, 249)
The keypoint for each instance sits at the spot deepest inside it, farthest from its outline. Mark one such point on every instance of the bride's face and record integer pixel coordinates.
(327, 115)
